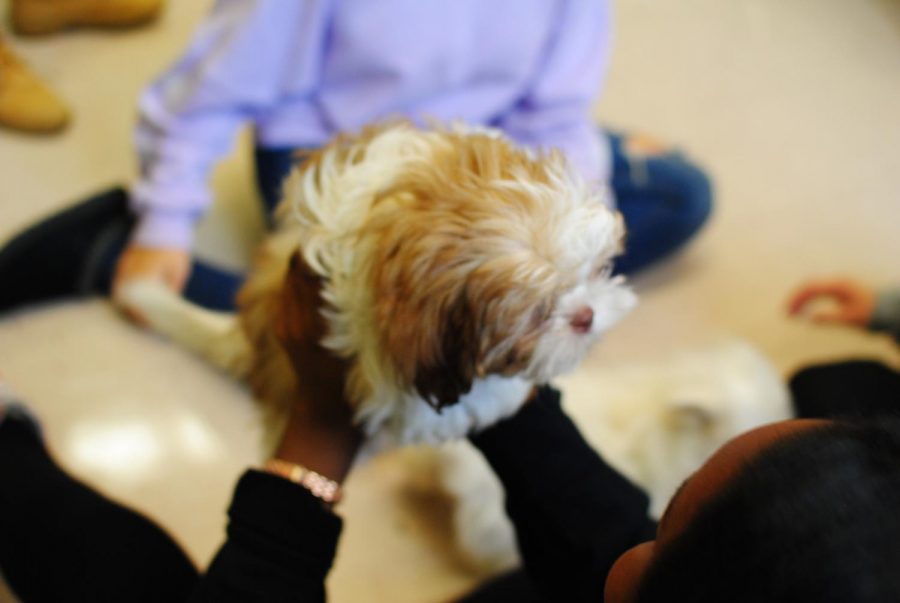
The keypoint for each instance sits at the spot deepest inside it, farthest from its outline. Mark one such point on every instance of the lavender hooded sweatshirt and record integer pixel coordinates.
(301, 71)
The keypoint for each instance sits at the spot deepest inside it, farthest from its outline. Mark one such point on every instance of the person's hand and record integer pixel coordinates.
(644, 145)
(170, 265)
(854, 303)
(320, 434)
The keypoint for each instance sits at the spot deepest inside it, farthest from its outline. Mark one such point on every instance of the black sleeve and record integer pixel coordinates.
(574, 515)
(280, 545)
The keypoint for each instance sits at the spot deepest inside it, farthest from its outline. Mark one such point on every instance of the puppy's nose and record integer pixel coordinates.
(582, 320)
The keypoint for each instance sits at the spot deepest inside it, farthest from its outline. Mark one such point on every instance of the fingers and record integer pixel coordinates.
(853, 302)
(825, 317)
(171, 266)
(842, 291)
(299, 325)
(799, 299)
(134, 316)
(802, 297)
(168, 266)
(175, 274)
(300, 321)
(645, 145)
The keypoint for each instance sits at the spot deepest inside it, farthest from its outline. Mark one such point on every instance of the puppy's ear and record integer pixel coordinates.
(443, 383)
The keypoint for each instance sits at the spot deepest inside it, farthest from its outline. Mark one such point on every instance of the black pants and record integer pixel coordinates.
(62, 541)
(851, 389)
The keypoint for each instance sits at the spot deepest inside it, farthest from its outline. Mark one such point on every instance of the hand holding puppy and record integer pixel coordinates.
(172, 267)
(320, 433)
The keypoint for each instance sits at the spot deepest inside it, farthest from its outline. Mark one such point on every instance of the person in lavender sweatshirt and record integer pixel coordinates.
(303, 71)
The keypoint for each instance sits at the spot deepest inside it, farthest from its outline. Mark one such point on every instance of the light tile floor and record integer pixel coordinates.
(792, 106)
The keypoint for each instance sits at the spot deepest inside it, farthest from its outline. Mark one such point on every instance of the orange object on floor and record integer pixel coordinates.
(37, 17)
(26, 103)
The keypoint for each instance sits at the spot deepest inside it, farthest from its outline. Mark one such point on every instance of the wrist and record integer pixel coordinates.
(328, 491)
(329, 452)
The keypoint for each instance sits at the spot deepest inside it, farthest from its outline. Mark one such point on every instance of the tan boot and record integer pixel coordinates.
(34, 17)
(25, 102)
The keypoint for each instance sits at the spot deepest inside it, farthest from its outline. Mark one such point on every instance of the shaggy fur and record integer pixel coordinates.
(459, 270)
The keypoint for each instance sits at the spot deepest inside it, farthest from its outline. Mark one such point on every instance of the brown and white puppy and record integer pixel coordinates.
(458, 271)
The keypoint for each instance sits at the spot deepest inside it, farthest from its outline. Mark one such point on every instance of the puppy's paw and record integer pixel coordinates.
(147, 302)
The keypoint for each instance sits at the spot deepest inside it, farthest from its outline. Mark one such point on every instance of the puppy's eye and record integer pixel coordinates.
(603, 271)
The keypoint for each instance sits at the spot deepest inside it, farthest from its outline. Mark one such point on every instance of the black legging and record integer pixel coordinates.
(854, 388)
(62, 541)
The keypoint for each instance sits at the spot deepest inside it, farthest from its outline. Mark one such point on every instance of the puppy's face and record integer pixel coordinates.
(587, 303)
(489, 262)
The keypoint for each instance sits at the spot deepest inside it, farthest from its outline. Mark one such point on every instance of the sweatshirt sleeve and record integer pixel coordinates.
(241, 60)
(574, 515)
(280, 545)
(887, 313)
(555, 110)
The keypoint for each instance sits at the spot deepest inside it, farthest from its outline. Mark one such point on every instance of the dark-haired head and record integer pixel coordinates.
(797, 511)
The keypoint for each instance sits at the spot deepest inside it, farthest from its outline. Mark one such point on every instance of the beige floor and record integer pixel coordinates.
(793, 106)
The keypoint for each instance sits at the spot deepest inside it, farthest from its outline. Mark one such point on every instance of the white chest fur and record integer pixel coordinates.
(393, 417)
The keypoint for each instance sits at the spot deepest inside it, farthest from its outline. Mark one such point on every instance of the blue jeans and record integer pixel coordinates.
(664, 200)
(213, 287)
